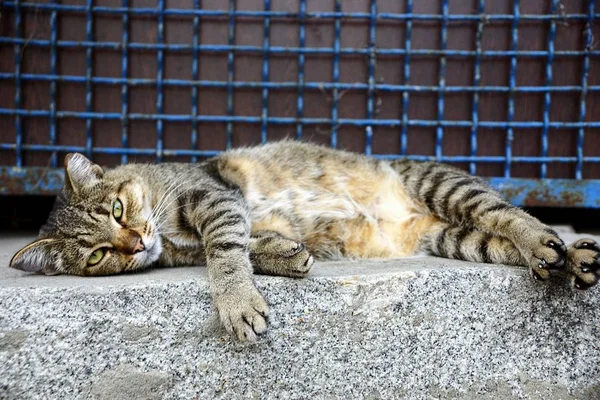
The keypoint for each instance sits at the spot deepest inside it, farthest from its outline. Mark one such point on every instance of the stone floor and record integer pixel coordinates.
(417, 328)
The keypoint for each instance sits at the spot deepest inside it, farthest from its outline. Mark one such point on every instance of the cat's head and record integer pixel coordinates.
(101, 224)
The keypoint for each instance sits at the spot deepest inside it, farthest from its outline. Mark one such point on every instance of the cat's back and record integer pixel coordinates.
(287, 164)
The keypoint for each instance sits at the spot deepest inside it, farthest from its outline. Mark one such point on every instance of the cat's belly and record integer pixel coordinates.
(339, 204)
(335, 226)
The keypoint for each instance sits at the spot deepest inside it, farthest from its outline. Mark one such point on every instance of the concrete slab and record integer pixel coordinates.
(417, 328)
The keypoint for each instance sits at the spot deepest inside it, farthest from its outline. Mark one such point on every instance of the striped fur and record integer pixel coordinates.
(271, 209)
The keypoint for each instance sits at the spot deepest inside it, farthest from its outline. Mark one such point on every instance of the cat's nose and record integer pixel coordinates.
(139, 246)
(129, 241)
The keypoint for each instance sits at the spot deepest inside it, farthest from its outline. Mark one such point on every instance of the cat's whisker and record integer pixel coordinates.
(165, 205)
(159, 204)
(166, 212)
(172, 232)
(159, 201)
(164, 222)
(166, 208)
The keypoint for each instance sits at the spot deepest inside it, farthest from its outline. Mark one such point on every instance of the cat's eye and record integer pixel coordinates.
(96, 257)
(117, 209)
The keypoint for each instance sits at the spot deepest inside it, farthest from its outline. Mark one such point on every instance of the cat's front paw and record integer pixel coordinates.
(549, 253)
(583, 264)
(281, 257)
(243, 312)
(295, 264)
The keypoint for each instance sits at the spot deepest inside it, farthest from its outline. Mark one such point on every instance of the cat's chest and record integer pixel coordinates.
(182, 240)
(180, 249)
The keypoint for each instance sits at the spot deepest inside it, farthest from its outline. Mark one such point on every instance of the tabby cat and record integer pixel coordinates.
(271, 209)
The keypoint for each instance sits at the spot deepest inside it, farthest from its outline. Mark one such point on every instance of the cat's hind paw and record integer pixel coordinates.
(549, 255)
(583, 264)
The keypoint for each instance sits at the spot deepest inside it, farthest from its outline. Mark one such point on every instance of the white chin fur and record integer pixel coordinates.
(153, 250)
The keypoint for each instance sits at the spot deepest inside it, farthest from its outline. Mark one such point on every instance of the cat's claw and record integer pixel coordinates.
(282, 257)
(243, 312)
(583, 264)
(549, 254)
(299, 247)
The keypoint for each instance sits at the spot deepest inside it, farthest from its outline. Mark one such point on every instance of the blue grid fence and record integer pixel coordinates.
(19, 178)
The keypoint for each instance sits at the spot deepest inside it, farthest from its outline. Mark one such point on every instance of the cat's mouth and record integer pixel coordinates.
(152, 246)
(152, 252)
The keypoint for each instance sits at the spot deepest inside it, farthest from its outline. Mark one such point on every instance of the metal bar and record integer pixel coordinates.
(160, 57)
(301, 60)
(222, 48)
(405, 93)
(284, 14)
(230, 74)
(476, 83)
(89, 141)
(371, 76)
(293, 120)
(18, 50)
(53, 57)
(294, 85)
(584, 89)
(439, 134)
(512, 83)
(265, 75)
(335, 76)
(547, 96)
(124, 117)
(195, 77)
(205, 153)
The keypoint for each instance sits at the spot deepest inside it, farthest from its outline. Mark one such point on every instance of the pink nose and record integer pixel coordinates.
(139, 246)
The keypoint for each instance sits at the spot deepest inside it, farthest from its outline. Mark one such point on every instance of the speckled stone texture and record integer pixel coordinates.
(418, 328)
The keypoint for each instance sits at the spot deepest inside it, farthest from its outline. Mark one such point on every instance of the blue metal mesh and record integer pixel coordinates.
(403, 123)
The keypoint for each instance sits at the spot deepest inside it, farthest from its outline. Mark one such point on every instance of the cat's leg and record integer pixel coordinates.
(273, 254)
(221, 217)
(469, 244)
(467, 201)
(582, 265)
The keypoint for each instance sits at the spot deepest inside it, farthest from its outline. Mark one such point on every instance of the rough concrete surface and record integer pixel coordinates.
(418, 328)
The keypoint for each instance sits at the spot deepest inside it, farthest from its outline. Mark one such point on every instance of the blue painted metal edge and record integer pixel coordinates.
(31, 180)
(521, 192)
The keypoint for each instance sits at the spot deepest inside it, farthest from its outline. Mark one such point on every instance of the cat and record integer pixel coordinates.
(270, 209)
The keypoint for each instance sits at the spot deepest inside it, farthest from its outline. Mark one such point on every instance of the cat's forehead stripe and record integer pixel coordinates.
(123, 184)
(95, 218)
(102, 210)
(84, 241)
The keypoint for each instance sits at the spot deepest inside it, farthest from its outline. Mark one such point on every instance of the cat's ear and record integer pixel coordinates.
(39, 256)
(81, 172)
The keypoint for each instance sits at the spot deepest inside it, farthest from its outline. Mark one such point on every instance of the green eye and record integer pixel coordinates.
(96, 257)
(117, 209)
